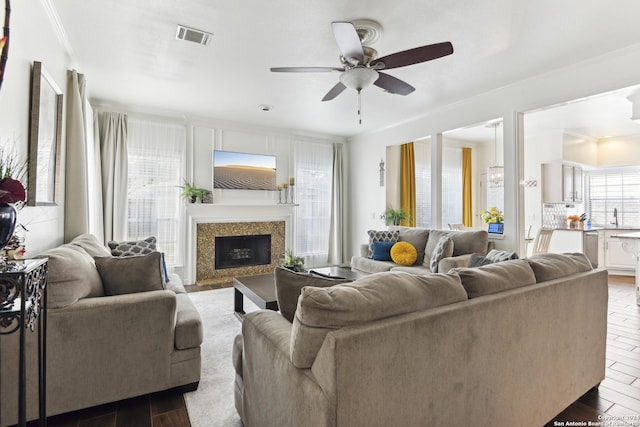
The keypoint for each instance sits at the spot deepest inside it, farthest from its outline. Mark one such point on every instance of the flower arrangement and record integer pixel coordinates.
(493, 215)
(11, 189)
(12, 195)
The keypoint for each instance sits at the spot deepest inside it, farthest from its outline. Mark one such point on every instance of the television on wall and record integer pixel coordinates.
(243, 171)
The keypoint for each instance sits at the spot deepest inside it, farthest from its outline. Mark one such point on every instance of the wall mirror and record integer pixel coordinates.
(45, 133)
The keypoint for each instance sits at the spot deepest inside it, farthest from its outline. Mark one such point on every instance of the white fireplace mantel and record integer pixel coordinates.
(197, 213)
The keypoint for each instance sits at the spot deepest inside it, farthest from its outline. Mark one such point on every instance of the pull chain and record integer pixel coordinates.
(359, 107)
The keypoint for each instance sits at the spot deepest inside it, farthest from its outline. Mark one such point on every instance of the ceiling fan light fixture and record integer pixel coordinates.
(495, 173)
(358, 78)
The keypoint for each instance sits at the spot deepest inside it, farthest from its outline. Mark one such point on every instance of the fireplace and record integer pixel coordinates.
(242, 251)
(239, 243)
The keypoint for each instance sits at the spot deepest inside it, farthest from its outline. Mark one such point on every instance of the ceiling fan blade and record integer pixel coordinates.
(348, 42)
(414, 56)
(335, 91)
(305, 69)
(393, 85)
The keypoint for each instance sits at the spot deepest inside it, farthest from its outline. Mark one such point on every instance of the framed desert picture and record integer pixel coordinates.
(243, 171)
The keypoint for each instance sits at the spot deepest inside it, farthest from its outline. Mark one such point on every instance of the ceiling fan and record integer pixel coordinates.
(360, 65)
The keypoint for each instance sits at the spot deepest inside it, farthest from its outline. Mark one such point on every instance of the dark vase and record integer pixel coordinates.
(8, 217)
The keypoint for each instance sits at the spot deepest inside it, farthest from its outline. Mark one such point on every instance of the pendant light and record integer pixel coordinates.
(495, 173)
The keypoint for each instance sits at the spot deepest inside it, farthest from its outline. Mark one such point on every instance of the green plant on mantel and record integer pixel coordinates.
(395, 216)
(191, 193)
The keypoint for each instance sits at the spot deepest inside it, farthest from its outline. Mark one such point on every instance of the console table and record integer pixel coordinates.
(23, 305)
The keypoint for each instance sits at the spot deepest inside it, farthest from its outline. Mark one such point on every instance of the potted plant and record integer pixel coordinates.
(292, 262)
(192, 193)
(395, 216)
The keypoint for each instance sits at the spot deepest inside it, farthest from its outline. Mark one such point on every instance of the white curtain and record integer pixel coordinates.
(337, 240)
(313, 165)
(113, 158)
(156, 159)
(76, 204)
(94, 167)
(422, 151)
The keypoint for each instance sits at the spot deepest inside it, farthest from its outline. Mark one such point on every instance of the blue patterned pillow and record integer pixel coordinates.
(443, 249)
(381, 236)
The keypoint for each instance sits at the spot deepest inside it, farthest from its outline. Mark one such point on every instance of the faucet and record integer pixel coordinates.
(615, 217)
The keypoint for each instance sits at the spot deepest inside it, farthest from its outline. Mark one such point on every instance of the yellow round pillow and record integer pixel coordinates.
(404, 253)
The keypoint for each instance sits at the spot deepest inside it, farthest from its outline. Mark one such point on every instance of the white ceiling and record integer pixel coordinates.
(128, 51)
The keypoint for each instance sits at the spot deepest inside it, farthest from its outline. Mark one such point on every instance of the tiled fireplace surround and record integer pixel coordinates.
(207, 221)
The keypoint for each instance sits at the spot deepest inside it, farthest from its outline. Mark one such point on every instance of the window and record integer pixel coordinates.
(155, 153)
(609, 189)
(451, 185)
(313, 165)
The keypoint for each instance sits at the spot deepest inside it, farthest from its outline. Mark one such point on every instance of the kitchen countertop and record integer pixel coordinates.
(597, 228)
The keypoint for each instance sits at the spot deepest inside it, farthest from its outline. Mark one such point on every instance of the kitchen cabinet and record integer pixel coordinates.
(561, 183)
(614, 256)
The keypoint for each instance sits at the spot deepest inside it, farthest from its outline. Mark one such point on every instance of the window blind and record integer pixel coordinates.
(609, 189)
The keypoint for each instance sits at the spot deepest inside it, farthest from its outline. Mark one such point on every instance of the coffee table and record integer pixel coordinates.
(260, 289)
(339, 272)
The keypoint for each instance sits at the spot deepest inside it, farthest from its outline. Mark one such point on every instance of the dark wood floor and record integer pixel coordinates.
(617, 401)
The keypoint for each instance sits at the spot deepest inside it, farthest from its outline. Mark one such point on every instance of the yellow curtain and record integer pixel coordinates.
(408, 182)
(467, 214)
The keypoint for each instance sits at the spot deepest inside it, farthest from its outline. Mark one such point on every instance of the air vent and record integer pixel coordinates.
(193, 35)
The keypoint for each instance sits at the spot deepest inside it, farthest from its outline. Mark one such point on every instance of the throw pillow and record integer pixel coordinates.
(416, 236)
(72, 276)
(432, 241)
(382, 251)
(289, 285)
(90, 243)
(133, 247)
(136, 248)
(131, 274)
(476, 260)
(381, 236)
(443, 249)
(496, 277)
(404, 253)
(553, 266)
(496, 255)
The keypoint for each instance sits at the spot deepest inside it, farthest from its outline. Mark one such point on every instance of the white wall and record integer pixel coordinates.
(609, 72)
(209, 134)
(32, 39)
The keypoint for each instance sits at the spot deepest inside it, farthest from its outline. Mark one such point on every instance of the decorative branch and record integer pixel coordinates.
(4, 41)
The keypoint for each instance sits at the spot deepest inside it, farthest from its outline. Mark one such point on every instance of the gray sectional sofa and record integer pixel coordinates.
(424, 240)
(103, 348)
(511, 343)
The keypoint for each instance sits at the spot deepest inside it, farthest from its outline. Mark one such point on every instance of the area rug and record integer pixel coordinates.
(212, 404)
